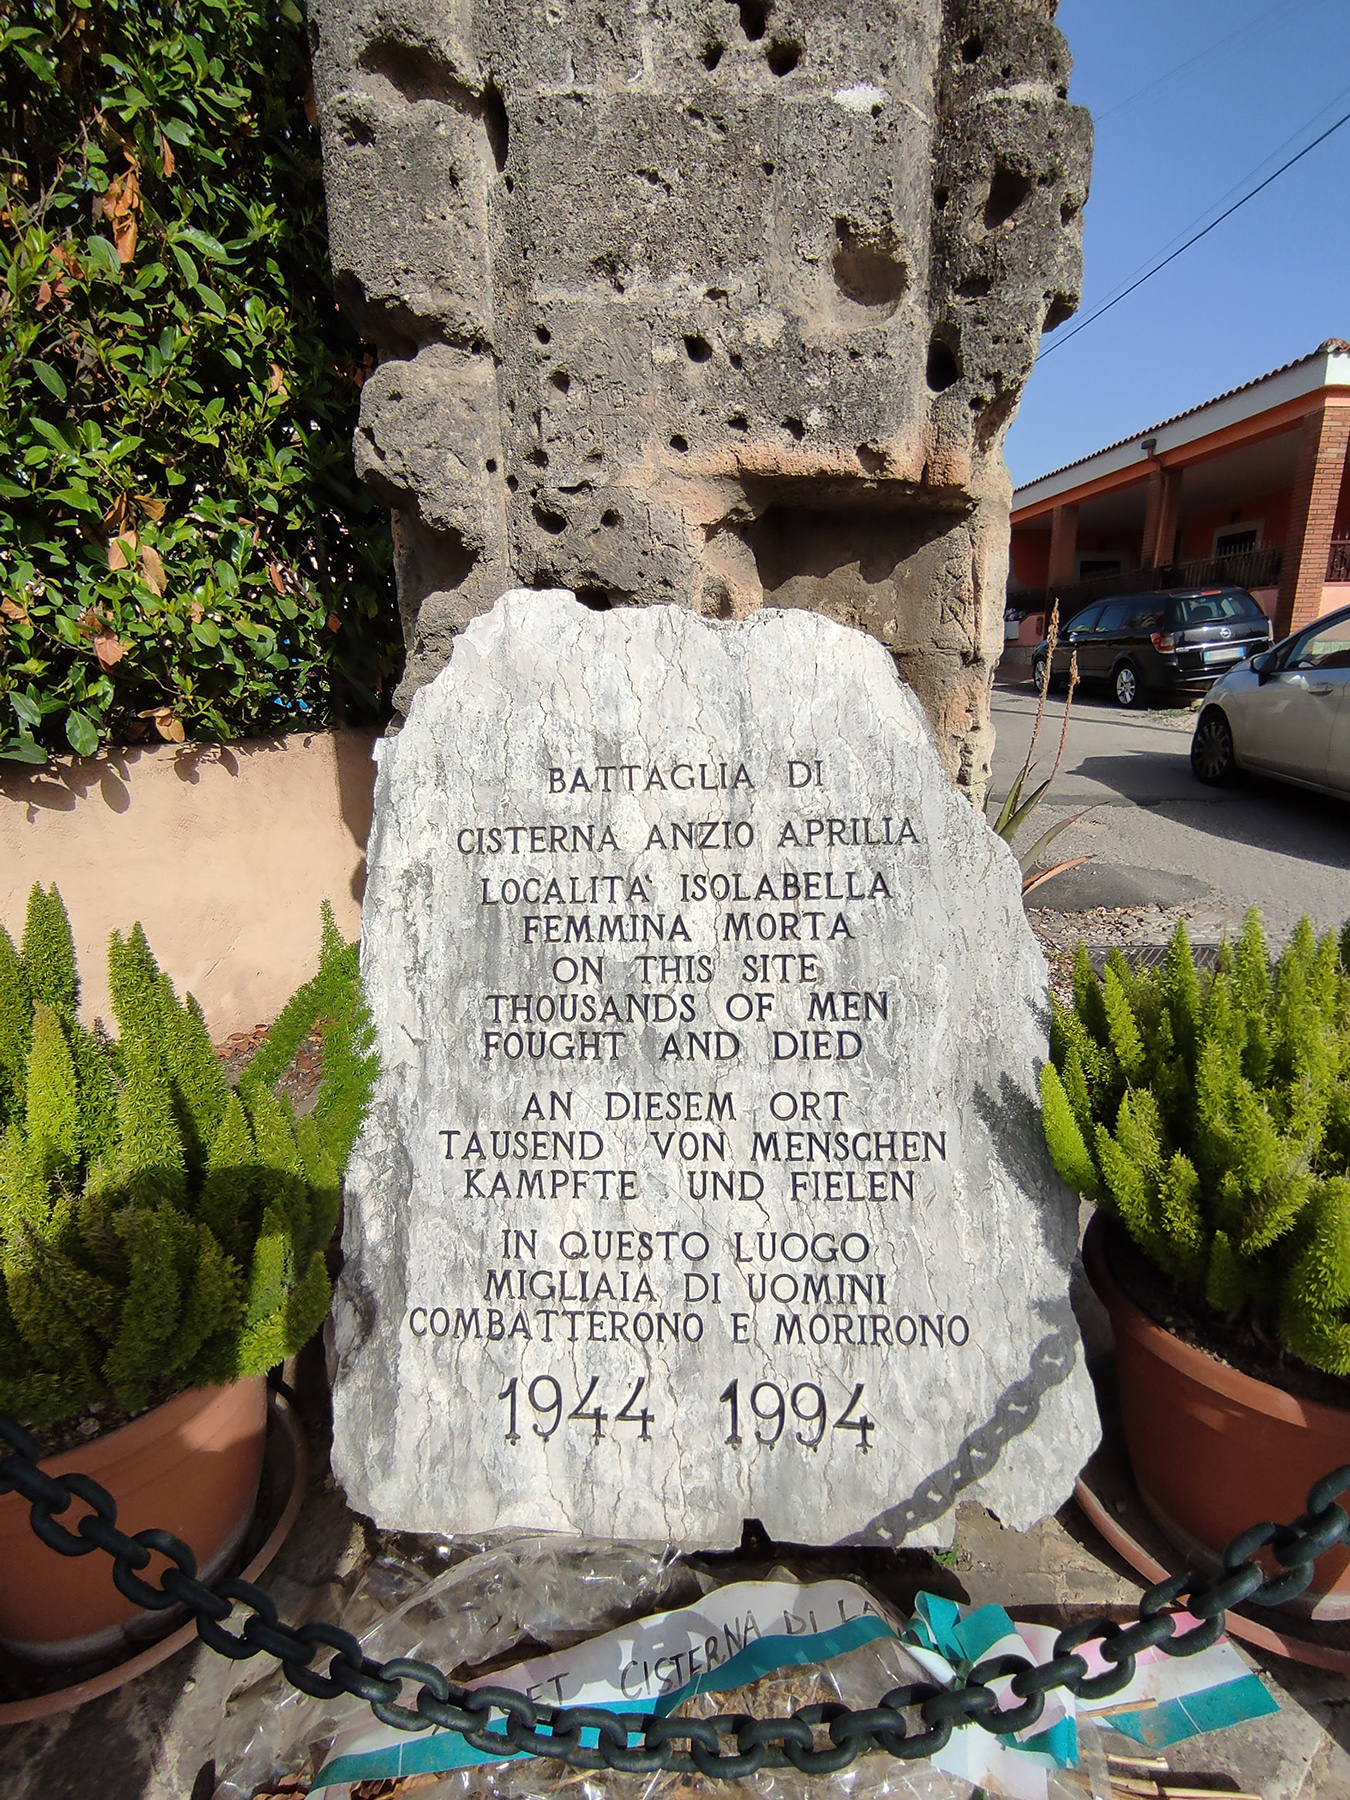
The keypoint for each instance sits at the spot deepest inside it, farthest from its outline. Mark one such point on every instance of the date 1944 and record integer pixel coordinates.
(775, 1414)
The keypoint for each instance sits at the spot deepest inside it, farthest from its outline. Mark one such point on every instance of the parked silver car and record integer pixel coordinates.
(1285, 713)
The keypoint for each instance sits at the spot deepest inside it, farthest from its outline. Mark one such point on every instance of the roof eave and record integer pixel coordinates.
(1326, 367)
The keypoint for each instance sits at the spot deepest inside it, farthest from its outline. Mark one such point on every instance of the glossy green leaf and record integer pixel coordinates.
(103, 255)
(54, 437)
(44, 69)
(24, 751)
(49, 378)
(201, 240)
(81, 733)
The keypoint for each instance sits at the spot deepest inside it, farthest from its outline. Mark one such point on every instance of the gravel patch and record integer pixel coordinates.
(1059, 933)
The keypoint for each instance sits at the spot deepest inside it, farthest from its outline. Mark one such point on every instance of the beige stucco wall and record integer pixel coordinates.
(224, 854)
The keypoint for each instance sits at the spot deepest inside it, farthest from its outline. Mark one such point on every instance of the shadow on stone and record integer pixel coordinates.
(109, 1747)
(1052, 1362)
(1013, 1121)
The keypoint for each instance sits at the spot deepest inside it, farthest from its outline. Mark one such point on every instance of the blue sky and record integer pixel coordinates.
(1192, 98)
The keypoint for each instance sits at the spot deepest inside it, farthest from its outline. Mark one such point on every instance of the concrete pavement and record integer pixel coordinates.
(1155, 834)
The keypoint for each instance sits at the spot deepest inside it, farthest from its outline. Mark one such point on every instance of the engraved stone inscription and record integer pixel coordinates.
(705, 1179)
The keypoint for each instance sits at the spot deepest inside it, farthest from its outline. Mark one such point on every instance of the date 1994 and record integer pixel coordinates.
(776, 1414)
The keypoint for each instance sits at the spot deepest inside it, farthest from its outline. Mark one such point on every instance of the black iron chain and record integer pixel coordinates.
(816, 1739)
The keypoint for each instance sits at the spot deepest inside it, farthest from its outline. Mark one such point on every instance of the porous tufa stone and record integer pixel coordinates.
(703, 304)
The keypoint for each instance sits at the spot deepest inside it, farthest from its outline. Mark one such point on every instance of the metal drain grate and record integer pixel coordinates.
(1150, 956)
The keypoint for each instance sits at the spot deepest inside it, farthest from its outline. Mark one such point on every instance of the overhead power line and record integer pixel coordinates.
(1248, 175)
(1181, 249)
(1205, 54)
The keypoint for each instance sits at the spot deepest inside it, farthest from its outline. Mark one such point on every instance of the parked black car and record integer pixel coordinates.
(1181, 641)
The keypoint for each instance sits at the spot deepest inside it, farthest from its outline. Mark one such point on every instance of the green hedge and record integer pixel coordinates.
(186, 551)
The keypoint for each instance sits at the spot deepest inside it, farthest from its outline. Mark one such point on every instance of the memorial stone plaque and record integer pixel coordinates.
(705, 1179)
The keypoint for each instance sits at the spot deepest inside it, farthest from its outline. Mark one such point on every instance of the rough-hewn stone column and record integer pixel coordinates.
(723, 302)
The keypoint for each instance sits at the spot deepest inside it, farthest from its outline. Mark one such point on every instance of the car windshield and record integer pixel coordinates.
(1214, 609)
(1328, 647)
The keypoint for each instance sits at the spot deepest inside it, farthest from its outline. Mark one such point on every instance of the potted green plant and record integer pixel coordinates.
(1208, 1117)
(163, 1238)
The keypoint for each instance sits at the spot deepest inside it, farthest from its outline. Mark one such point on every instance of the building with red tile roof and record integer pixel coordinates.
(1249, 488)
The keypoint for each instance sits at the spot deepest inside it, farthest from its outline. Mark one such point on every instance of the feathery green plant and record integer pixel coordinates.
(160, 1229)
(1209, 1115)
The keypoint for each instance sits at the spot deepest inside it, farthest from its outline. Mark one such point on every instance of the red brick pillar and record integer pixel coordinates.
(1152, 508)
(1169, 517)
(1312, 515)
(1162, 511)
(1063, 545)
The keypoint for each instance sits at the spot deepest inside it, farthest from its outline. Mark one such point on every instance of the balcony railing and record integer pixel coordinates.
(1338, 563)
(1248, 568)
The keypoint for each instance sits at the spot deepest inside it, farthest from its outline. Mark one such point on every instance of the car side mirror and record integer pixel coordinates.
(1264, 665)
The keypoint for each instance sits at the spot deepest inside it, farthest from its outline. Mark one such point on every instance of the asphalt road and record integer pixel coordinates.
(1155, 834)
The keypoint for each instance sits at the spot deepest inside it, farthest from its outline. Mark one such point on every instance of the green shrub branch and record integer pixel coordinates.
(160, 1229)
(185, 549)
(1209, 1115)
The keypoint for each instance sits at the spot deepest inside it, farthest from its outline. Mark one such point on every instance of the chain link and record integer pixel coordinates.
(817, 1740)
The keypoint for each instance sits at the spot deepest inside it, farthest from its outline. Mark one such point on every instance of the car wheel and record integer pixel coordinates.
(1212, 759)
(1126, 686)
(1039, 672)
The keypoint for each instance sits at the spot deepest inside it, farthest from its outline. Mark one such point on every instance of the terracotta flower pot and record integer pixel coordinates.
(191, 1466)
(1214, 1451)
